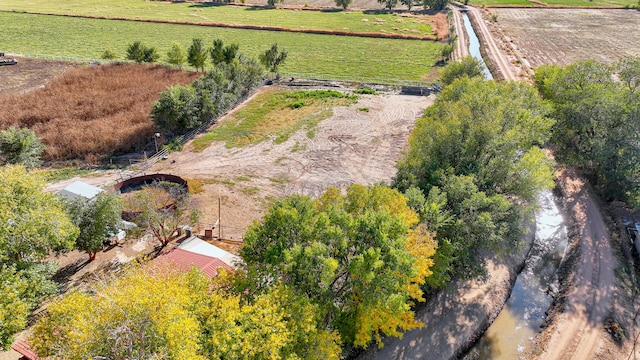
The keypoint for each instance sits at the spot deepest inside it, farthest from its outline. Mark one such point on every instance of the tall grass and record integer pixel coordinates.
(93, 112)
(365, 58)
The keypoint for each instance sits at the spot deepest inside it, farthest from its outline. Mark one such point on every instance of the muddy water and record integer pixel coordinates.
(520, 319)
(474, 45)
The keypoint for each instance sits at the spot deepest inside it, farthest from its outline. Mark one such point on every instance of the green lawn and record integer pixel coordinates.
(297, 19)
(362, 58)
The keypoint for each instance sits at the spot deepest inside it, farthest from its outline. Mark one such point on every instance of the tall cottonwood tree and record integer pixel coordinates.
(347, 253)
(475, 160)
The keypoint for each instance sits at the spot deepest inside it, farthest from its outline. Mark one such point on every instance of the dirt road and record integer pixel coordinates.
(578, 331)
(462, 44)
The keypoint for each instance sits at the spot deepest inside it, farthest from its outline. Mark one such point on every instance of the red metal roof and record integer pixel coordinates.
(23, 348)
(183, 260)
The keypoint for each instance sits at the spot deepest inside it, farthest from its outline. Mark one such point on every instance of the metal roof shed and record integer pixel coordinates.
(80, 189)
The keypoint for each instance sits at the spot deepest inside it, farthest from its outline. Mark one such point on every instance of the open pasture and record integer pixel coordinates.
(357, 21)
(564, 36)
(356, 57)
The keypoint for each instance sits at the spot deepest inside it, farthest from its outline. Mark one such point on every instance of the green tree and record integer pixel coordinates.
(140, 53)
(229, 52)
(476, 156)
(217, 52)
(179, 109)
(344, 4)
(109, 54)
(98, 219)
(162, 208)
(20, 146)
(407, 3)
(435, 4)
(273, 58)
(597, 111)
(21, 290)
(33, 220)
(389, 4)
(33, 225)
(467, 66)
(347, 254)
(197, 54)
(274, 2)
(176, 55)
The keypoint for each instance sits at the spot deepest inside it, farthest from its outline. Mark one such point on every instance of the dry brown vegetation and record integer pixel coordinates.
(92, 112)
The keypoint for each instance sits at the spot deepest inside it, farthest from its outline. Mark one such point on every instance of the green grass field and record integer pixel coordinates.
(356, 57)
(297, 19)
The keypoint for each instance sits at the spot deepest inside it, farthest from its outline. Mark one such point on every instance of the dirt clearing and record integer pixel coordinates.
(564, 36)
(30, 74)
(358, 144)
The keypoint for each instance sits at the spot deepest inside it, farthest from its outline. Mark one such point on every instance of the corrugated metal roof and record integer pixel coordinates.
(80, 188)
(183, 260)
(199, 246)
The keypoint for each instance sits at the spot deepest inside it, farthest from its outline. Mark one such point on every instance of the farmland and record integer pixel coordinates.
(295, 19)
(544, 36)
(356, 57)
(565, 3)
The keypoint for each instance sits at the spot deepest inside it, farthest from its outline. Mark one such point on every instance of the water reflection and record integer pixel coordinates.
(517, 324)
(474, 45)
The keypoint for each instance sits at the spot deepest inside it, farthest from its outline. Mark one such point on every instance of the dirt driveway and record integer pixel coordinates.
(578, 332)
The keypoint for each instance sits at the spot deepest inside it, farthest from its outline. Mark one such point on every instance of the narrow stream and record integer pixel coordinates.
(474, 45)
(511, 333)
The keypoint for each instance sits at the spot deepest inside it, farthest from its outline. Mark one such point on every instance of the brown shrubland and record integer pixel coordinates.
(92, 113)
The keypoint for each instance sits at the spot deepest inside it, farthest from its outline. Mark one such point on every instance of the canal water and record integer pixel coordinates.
(474, 45)
(511, 333)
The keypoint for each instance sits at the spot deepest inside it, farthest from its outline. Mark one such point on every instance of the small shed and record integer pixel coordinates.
(80, 189)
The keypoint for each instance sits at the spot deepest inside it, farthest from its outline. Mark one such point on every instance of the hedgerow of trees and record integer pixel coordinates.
(597, 107)
(181, 108)
(474, 162)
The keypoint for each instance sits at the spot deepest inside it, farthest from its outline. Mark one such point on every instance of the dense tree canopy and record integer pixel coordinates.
(161, 314)
(20, 147)
(472, 156)
(182, 108)
(468, 66)
(354, 255)
(32, 224)
(598, 107)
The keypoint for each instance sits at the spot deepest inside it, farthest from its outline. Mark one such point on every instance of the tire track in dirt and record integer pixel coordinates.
(579, 327)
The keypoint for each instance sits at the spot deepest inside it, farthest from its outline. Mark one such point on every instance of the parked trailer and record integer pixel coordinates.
(8, 62)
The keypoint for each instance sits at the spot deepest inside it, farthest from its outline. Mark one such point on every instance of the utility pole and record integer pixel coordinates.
(155, 140)
(219, 223)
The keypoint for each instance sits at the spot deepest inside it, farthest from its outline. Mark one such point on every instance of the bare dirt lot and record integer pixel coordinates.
(30, 74)
(564, 36)
(352, 146)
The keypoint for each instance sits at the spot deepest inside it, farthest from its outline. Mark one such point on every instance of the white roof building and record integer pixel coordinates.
(80, 189)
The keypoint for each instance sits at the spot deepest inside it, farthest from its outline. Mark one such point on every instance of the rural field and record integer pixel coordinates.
(564, 36)
(355, 57)
(356, 21)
